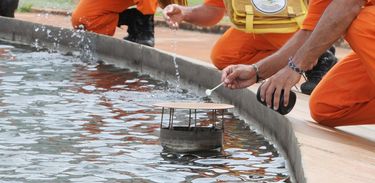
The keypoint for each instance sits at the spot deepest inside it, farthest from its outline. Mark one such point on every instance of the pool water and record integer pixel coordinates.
(64, 120)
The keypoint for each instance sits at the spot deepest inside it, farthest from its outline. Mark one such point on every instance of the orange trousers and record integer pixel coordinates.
(101, 16)
(346, 95)
(238, 47)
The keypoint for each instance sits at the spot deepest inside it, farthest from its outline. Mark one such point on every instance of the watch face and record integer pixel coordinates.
(269, 6)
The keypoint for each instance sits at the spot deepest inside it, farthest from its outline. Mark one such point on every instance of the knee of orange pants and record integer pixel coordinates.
(217, 58)
(231, 48)
(325, 100)
(222, 56)
(105, 24)
(321, 112)
(238, 47)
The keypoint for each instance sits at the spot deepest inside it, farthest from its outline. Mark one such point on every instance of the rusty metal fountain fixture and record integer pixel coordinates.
(192, 134)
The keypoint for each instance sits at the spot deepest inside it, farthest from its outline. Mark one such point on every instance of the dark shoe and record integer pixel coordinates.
(146, 30)
(148, 41)
(128, 18)
(325, 62)
(140, 27)
(130, 37)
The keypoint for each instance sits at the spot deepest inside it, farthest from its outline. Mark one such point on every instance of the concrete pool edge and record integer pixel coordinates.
(194, 74)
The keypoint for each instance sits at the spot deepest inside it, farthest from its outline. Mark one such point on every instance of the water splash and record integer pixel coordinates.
(85, 46)
(82, 42)
(36, 45)
(174, 48)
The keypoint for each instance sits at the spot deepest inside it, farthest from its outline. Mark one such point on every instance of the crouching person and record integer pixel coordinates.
(346, 95)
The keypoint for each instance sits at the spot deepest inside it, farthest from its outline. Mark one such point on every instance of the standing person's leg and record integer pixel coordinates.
(346, 95)
(8, 7)
(129, 18)
(238, 47)
(140, 22)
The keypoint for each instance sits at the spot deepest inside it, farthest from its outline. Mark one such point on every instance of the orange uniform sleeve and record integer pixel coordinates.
(316, 10)
(217, 3)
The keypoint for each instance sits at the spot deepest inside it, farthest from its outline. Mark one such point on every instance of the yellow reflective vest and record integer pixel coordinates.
(267, 16)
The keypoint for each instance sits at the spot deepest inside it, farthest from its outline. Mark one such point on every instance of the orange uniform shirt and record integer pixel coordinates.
(217, 3)
(315, 11)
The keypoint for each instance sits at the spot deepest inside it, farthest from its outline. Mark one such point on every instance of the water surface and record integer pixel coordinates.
(63, 120)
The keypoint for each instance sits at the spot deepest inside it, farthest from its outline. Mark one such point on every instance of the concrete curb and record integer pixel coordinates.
(52, 11)
(194, 74)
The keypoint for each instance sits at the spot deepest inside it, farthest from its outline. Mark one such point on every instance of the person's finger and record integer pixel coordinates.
(263, 89)
(231, 73)
(268, 95)
(166, 11)
(173, 10)
(234, 75)
(175, 25)
(292, 80)
(276, 98)
(233, 85)
(224, 73)
(167, 19)
(286, 96)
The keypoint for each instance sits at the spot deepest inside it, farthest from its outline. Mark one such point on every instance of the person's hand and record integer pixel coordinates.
(238, 76)
(285, 79)
(173, 15)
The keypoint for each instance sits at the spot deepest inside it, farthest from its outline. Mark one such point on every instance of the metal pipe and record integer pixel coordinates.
(162, 115)
(195, 118)
(222, 119)
(189, 117)
(214, 117)
(172, 118)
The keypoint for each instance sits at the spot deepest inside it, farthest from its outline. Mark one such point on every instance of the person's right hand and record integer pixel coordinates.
(173, 15)
(238, 76)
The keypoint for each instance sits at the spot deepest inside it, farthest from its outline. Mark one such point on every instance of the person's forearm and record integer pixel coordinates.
(203, 15)
(332, 25)
(278, 60)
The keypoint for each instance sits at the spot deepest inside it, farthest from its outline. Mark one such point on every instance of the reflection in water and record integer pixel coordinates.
(63, 120)
(5, 52)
